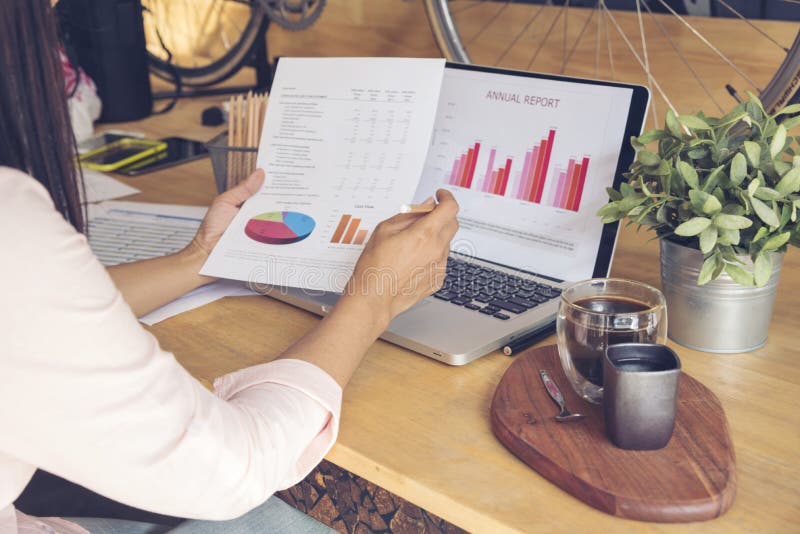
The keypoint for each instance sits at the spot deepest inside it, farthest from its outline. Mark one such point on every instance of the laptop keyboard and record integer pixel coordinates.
(492, 292)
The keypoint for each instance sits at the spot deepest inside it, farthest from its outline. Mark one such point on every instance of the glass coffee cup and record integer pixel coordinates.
(596, 313)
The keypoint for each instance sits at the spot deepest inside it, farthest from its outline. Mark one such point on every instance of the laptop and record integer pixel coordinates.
(529, 157)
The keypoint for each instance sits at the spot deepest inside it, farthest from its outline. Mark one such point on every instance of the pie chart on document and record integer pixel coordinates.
(279, 227)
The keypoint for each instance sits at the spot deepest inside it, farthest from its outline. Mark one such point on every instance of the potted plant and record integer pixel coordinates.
(722, 194)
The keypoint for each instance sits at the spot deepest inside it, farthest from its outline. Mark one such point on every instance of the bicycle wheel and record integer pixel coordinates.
(600, 42)
(208, 40)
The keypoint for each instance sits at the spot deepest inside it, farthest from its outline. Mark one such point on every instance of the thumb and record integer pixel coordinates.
(246, 189)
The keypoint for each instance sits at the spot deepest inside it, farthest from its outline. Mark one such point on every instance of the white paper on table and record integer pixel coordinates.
(101, 187)
(196, 298)
(343, 146)
(121, 232)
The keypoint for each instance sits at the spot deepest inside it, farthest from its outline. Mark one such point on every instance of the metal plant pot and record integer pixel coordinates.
(721, 316)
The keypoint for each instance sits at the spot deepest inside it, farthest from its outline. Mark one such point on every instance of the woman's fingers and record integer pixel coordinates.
(246, 189)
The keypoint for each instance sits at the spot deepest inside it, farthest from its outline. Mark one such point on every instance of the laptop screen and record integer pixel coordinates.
(529, 158)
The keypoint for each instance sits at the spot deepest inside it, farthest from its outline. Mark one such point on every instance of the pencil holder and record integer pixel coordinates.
(231, 164)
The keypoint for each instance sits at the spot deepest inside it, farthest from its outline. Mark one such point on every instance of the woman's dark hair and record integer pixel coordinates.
(35, 130)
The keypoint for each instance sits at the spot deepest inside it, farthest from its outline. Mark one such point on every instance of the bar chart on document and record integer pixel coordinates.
(528, 161)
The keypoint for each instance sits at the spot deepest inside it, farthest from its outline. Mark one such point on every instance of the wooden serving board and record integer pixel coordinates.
(693, 478)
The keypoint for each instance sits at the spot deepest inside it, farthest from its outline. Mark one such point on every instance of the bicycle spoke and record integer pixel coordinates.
(638, 59)
(235, 24)
(226, 42)
(546, 36)
(473, 4)
(597, 46)
(680, 53)
(564, 39)
(603, 10)
(491, 20)
(578, 41)
(756, 28)
(646, 59)
(722, 56)
(520, 34)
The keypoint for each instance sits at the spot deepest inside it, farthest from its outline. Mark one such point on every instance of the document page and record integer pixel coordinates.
(528, 160)
(344, 144)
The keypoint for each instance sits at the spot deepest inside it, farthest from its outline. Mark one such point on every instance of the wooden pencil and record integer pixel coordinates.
(417, 208)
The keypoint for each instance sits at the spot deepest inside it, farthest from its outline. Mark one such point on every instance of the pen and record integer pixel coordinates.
(417, 208)
(526, 340)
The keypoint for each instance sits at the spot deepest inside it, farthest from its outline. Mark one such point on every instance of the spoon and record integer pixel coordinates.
(555, 394)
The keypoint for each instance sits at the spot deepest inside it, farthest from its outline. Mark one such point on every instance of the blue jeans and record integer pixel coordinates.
(272, 517)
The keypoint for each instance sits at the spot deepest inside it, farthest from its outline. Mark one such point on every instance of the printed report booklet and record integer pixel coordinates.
(347, 141)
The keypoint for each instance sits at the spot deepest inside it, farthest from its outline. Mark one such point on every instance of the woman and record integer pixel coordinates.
(87, 394)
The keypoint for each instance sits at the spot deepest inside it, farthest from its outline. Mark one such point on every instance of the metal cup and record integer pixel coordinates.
(640, 394)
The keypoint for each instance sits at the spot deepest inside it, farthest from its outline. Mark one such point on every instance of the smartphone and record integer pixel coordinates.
(106, 138)
(179, 150)
(121, 153)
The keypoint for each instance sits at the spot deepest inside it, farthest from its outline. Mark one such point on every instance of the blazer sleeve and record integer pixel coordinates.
(89, 395)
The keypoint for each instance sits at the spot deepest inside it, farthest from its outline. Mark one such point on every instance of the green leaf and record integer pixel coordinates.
(647, 158)
(689, 174)
(728, 237)
(732, 222)
(789, 110)
(790, 183)
(753, 151)
(673, 125)
(781, 167)
(704, 203)
(762, 269)
(776, 241)
(707, 270)
(611, 208)
(792, 123)
(693, 226)
(765, 213)
(697, 153)
(661, 214)
(739, 275)
(652, 135)
(693, 122)
(714, 178)
(662, 169)
(760, 233)
(666, 183)
(752, 186)
(738, 168)
(708, 238)
(767, 193)
(613, 194)
(776, 146)
(626, 189)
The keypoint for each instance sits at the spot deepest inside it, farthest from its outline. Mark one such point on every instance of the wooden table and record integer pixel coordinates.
(420, 429)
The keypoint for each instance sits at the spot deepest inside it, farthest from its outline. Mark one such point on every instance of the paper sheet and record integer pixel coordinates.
(196, 298)
(343, 145)
(121, 232)
(101, 187)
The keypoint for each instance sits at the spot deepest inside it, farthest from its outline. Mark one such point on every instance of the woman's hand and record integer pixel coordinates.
(221, 213)
(405, 260)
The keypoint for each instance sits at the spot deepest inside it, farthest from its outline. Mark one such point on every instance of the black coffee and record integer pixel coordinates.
(586, 341)
(642, 365)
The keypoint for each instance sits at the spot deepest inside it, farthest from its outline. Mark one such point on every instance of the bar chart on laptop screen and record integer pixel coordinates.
(529, 160)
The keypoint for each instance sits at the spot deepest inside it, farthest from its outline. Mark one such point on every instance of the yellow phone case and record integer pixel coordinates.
(148, 147)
